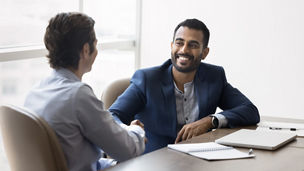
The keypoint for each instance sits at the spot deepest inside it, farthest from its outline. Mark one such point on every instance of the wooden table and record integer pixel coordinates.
(287, 158)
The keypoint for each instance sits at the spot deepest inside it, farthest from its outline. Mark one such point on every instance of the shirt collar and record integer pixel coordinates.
(186, 85)
(66, 73)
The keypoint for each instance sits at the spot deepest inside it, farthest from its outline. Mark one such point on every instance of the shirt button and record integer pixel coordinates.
(186, 118)
(185, 99)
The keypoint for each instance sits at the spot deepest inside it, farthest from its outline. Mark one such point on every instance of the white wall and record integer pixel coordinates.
(258, 42)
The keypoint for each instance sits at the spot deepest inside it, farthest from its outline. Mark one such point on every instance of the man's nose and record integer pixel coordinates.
(184, 49)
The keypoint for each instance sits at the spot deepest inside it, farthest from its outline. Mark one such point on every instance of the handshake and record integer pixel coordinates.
(140, 124)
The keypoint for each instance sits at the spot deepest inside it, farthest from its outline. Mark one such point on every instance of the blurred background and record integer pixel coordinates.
(259, 43)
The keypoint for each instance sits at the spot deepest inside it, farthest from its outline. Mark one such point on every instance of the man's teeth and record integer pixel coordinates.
(183, 58)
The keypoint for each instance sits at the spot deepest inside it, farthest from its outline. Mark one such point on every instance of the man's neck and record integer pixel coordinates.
(181, 78)
(77, 72)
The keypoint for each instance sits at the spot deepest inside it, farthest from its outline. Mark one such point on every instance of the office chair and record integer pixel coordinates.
(30, 144)
(113, 90)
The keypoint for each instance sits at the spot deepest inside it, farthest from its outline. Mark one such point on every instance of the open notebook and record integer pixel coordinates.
(210, 151)
(260, 139)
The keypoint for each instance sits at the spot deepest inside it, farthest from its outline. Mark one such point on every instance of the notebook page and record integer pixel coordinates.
(231, 153)
(210, 151)
(197, 147)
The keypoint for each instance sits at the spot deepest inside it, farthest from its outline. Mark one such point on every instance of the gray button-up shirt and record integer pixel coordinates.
(187, 106)
(82, 125)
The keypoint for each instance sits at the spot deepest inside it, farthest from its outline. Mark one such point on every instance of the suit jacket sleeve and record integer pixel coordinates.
(237, 108)
(132, 100)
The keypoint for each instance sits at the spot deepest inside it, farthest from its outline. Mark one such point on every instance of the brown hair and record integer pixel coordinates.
(65, 36)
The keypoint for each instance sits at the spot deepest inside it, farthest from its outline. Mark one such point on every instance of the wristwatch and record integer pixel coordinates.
(215, 122)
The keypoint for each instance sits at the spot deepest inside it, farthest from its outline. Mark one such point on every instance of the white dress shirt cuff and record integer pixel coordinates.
(138, 134)
(222, 120)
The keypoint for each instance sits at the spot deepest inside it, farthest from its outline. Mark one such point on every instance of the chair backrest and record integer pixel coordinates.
(30, 144)
(113, 90)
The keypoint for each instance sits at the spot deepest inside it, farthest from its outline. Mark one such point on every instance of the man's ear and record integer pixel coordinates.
(85, 50)
(205, 53)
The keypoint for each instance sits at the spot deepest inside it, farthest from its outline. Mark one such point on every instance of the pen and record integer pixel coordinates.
(250, 151)
(277, 128)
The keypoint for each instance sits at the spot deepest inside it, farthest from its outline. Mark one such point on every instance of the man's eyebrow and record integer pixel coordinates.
(179, 39)
(194, 41)
(191, 41)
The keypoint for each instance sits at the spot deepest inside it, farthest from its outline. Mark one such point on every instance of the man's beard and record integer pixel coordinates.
(194, 62)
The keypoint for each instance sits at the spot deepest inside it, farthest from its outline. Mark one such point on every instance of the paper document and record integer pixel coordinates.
(210, 151)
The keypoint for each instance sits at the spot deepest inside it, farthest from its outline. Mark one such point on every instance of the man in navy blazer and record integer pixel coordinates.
(178, 100)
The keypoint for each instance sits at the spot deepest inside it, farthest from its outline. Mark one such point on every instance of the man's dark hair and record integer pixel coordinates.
(65, 36)
(197, 25)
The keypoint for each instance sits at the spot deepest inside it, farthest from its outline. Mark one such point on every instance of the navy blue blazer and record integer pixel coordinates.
(151, 99)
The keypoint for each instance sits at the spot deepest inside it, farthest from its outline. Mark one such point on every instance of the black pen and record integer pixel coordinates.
(277, 128)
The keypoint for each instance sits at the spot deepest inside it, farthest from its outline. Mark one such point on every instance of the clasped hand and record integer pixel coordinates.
(194, 129)
(138, 123)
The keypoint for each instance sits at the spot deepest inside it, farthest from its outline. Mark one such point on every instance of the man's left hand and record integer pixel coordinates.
(194, 129)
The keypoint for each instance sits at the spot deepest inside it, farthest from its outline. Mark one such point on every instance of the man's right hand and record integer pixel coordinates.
(138, 123)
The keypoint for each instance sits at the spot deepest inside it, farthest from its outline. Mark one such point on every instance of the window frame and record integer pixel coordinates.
(39, 51)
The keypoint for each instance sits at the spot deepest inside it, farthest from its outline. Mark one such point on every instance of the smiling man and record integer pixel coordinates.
(178, 100)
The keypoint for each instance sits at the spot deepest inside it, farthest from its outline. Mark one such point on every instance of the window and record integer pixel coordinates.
(22, 52)
(23, 22)
(22, 61)
(114, 19)
(110, 65)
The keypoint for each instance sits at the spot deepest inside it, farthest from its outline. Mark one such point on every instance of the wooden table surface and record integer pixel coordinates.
(287, 158)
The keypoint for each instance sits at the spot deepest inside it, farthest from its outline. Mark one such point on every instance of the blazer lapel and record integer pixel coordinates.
(201, 90)
(169, 98)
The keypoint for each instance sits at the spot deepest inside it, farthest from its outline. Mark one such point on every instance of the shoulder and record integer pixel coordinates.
(82, 90)
(153, 76)
(210, 69)
(211, 72)
(84, 100)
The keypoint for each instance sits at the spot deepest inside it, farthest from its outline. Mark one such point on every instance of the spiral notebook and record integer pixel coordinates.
(210, 151)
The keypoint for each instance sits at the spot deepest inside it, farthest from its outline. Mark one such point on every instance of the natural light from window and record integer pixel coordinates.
(23, 25)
